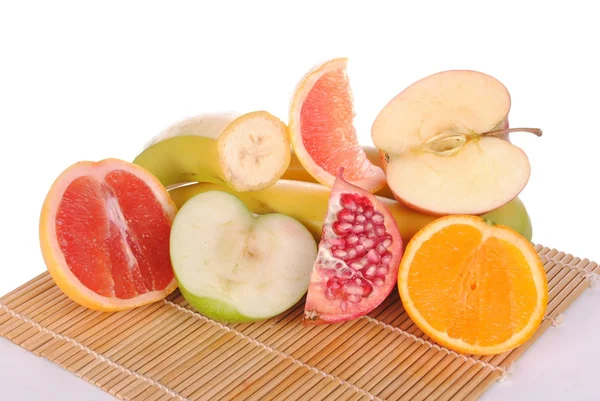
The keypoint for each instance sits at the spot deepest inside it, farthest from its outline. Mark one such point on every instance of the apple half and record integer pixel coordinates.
(445, 146)
(234, 266)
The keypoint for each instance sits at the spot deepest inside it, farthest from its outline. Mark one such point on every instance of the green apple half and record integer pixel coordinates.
(234, 266)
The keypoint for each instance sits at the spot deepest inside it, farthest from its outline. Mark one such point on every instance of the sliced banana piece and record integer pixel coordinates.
(254, 151)
(234, 266)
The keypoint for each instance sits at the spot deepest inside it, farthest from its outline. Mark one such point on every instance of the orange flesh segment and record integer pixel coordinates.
(114, 235)
(327, 130)
(482, 293)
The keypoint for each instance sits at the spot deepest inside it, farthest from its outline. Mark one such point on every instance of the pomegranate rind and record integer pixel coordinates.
(53, 256)
(321, 310)
(374, 177)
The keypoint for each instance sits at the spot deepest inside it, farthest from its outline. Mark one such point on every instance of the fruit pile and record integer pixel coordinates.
(247, 215)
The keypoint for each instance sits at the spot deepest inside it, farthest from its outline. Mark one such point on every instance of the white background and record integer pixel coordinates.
(86, 81)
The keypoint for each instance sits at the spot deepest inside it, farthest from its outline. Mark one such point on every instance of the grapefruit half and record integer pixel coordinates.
(104, 235)
(322, 132)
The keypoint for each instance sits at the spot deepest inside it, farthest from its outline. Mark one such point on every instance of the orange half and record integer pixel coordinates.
(473, 287)
(322, 132)
(104, 235)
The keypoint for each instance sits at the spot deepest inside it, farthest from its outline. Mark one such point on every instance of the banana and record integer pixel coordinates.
(308, 203)
(303, 201)
(251, 152)
(209, 125)
(513, 214)
(188, 160)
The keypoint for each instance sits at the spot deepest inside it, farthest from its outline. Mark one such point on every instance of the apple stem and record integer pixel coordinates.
(535, 131)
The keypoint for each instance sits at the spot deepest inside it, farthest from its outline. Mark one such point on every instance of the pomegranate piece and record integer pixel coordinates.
(358, 257)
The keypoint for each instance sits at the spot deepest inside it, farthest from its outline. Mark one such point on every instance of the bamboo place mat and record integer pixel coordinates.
(167, 351)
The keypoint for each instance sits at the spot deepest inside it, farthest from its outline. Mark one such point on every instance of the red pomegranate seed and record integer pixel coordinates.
(346, 215)
(341, 228)
(373, 256)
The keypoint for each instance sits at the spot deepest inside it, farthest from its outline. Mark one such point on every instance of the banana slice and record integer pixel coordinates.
(234, 266)
(254, 151)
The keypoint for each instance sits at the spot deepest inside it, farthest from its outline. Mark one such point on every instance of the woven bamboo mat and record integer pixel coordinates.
(166, 351)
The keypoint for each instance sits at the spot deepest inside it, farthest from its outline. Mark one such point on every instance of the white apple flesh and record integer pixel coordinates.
(233, 266)
(446, 146)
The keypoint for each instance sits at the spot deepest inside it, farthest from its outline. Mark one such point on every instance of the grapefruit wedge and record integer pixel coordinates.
(322, 133)
(104, 235)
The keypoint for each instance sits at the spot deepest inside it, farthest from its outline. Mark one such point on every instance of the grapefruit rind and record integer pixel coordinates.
(53, 256)
(499, 231)
(373, 182)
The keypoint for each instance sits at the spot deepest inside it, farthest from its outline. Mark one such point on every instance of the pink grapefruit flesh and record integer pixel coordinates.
(322, 131)
(104, 234)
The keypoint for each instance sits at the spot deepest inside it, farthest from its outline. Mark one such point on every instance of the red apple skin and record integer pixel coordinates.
(436, 214)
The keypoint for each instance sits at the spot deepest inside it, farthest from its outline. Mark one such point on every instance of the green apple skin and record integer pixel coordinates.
(214, 308)
(514, 215)
(218, 310)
